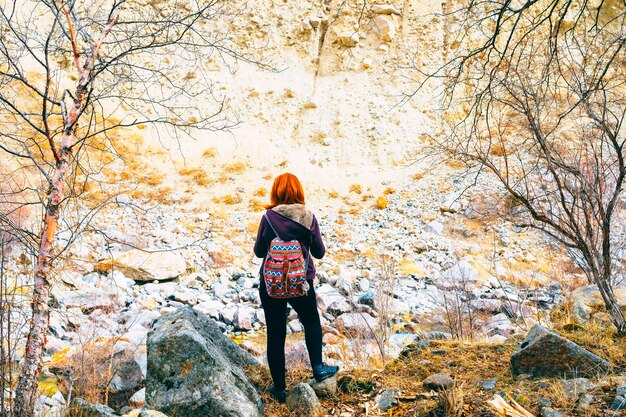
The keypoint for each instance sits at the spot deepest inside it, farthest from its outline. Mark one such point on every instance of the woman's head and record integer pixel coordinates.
(286, 190)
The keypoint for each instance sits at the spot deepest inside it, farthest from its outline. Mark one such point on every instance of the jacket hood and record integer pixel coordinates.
(296, 212)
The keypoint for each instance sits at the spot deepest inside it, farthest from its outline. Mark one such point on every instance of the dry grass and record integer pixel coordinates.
(231, 199)
(152, 178)
(209, 153)
(356, 188)
(257, 205)
(498, 150)
(389, 191)
(260, 192)
(333, 194)
(235, 168)
(198, 175)
(469, 363)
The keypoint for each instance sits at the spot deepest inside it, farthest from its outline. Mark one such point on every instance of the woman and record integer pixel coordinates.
(291, 220)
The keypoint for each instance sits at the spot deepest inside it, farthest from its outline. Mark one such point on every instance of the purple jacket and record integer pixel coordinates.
(290, 222)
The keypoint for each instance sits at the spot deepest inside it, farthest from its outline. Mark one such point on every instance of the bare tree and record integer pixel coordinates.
(72, 74)
(536, 94)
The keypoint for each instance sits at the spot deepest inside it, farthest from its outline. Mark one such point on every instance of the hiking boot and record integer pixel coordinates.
(322, 372)
(280, 396)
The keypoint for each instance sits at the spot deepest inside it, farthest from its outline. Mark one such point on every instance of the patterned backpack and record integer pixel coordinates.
(285, 269)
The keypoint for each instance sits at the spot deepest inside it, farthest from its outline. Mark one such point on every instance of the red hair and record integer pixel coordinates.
(286, 190)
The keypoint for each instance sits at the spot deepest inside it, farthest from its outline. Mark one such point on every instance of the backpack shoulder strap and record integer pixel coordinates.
(270, 223)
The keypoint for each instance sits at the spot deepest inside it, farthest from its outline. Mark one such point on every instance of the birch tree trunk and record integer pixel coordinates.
(27, 388)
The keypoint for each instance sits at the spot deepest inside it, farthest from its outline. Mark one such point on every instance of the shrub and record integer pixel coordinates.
(381, 203)
(209, 153)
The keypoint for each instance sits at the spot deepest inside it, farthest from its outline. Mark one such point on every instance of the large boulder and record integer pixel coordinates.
(140, 265)
(194, 370)
(545, 353)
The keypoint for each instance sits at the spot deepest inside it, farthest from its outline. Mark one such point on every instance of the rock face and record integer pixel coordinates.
(194, 370)
(144, 266)
(545, 353)
(302, 400)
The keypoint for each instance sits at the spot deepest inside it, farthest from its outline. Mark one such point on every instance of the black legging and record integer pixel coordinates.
(276, 321)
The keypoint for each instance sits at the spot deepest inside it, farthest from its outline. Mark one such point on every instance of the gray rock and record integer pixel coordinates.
(127, 379)
(368, 299)
(302, 400)
(573, 388)
(151, 413)
(621, 389)
(545, 353)
(619, 403)
(194, 370)
(81, 408)
(438, 382)
(489, 384)
(326, 388)
(550, 412)
(386, 399)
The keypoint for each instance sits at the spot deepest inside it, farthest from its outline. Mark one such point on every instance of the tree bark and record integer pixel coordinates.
(26, 392)
(612, 306)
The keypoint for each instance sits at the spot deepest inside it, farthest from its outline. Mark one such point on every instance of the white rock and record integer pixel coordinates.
(385, 27)
(356, 322)
(145, 266)
(296, 326)
(385, 9)
(459, 273)
(228, 314)
(211, 308)
(87, 299)
(326, 295)
(243, 318)
(434, 227)
(499, 325)
(345, 285)
(315, 21)
(260, 316)
(185, 297)
(138, 399)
